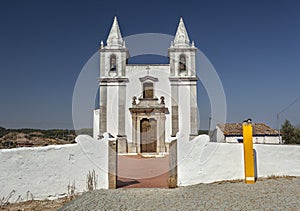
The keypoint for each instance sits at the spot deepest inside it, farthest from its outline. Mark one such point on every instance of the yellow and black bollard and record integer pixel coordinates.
(248, 152)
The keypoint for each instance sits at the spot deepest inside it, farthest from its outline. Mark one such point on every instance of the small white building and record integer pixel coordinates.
(143, 105)
(232, 133)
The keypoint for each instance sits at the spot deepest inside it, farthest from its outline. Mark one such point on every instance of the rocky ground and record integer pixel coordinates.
(270, 194)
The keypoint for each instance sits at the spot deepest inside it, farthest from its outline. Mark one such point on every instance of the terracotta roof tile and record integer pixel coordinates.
(235, 129)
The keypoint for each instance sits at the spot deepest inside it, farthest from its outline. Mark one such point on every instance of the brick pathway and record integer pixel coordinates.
(135, 171)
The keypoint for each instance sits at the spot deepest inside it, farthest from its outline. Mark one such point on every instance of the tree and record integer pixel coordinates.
(296, 139)
(3, 131)
(290, 134)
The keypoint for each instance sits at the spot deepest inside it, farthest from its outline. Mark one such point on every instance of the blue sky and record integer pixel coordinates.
(253, 45)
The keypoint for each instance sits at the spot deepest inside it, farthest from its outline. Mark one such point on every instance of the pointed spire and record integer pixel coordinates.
(114, 39)
(181, 37)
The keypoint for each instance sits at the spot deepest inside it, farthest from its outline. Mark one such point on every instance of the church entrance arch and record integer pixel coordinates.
(148, 125)
(148, 133)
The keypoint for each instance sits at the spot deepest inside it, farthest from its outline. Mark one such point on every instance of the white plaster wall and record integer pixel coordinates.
(220, 135)
(266, 140)
(112, 108)
(47, 171)
(161, 88)
(256, 139)
(184, 111)
(277, 159)
(201, 161)
(233, 139)
(134, 88)
(96, 122)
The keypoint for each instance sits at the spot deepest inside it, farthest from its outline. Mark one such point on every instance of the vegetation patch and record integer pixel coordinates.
(290, 133)
(27, 137)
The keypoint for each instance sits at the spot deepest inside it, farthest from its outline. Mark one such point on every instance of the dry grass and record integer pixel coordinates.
(229, 181)
(272, 176)
(47, 205)
(91, 182)
(258, 179)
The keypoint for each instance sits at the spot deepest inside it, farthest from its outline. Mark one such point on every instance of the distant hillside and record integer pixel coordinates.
(11, 138)
(200, 132)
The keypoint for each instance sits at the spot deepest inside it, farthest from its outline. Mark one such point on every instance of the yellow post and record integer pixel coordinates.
(248, 152)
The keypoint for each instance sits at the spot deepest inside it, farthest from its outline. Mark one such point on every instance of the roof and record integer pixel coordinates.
(114, 38)
(181, 38)
(235, 129)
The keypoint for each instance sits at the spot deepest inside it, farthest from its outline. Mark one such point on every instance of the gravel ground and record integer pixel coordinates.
(269, 194)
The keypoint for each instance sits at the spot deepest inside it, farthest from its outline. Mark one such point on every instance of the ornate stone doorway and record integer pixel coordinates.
(148, 134)
(148, 125)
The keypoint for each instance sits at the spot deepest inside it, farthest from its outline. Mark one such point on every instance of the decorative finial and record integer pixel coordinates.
(102, 44)
(162, 100)
(134, 100)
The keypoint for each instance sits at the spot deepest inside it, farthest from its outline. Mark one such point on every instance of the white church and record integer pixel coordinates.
(144, 106)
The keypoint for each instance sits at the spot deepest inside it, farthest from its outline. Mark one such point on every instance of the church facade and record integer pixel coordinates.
(144, 105)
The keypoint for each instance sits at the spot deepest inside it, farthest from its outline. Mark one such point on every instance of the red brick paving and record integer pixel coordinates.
(135, 171)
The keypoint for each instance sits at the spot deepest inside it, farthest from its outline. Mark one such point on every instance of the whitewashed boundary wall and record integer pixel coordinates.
(201, 161)
(46, 172)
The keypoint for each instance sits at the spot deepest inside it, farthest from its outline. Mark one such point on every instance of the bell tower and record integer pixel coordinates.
(183, 80)
(113, 60)
(114, 55)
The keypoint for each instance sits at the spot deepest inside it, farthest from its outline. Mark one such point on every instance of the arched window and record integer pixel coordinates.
(113, 63)
(182, 63)
(148, 90)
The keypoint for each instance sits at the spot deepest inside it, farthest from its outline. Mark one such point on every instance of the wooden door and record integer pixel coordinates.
(148, 135)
